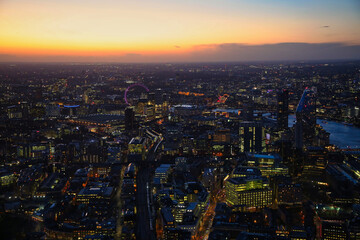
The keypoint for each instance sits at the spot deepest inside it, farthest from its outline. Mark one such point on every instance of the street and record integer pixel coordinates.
(143, 217)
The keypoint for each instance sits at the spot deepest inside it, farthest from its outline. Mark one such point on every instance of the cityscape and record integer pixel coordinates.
(180, 151)
(180, 120)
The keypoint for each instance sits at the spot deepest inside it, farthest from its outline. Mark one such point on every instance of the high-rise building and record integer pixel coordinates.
(333, 229)
(251, 191)
(305, 119)
(149, 112)
(252, 137)
(248, 112)
(283, 109)
(129, 119)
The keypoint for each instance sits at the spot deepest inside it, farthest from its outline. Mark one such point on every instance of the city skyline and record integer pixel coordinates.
(172, 31)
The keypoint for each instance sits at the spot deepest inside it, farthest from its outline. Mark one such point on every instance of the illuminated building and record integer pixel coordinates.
(33, 150)
(161, 109)
(268, 164)
(86, 96)
(76, 231)
(93, 153)
(289, 193)
(100, 169)
(252, 137)
(163, 172)
(137, 149)
(185, 110)
(114, 153)
(334, 230)
(176, 234)
(298, 233)
(315, 164)
(221, 149)
(167, 217)
(221, 136)
(246, 172)
(7, 178)
(52, 185)
(283, 109)
(94, 194)
(305, 119)
(149, 112)
(190, 224)
(19, 111)
(179, 212)
(247, 192)
(226, 112)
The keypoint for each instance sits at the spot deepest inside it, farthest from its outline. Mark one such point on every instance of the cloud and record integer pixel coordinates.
(276, 52)
(176, 46)
(325, 26)
(230, 52)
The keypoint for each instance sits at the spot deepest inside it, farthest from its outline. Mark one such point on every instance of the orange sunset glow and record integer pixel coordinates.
(166, 30)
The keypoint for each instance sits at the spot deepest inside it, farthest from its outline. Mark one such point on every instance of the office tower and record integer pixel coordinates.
(332, 229)
(305, 119)
(252, 137)
(248, 112)
(129, 119)
(250, 191)
(149, 112)
(283, 109)
(269, 164)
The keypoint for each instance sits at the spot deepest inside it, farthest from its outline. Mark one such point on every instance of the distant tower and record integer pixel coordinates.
(252, 137)
(129, 118)
(283, 109)
(86, 97)
(305, 119)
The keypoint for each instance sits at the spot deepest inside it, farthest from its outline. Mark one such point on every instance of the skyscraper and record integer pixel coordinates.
(129, 118)
(252, 137)
(305, 118)
(283, 109)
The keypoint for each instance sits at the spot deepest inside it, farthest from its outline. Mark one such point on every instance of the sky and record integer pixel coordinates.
(178, 30)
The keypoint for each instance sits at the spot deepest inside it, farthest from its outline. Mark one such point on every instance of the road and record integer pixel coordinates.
(142, 215)
(119, 204)
(144, 225)
(217, 194)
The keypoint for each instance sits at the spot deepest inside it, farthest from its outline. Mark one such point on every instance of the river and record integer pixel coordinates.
(341, 135)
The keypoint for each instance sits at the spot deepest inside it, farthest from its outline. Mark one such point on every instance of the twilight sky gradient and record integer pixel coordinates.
(178, 30)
